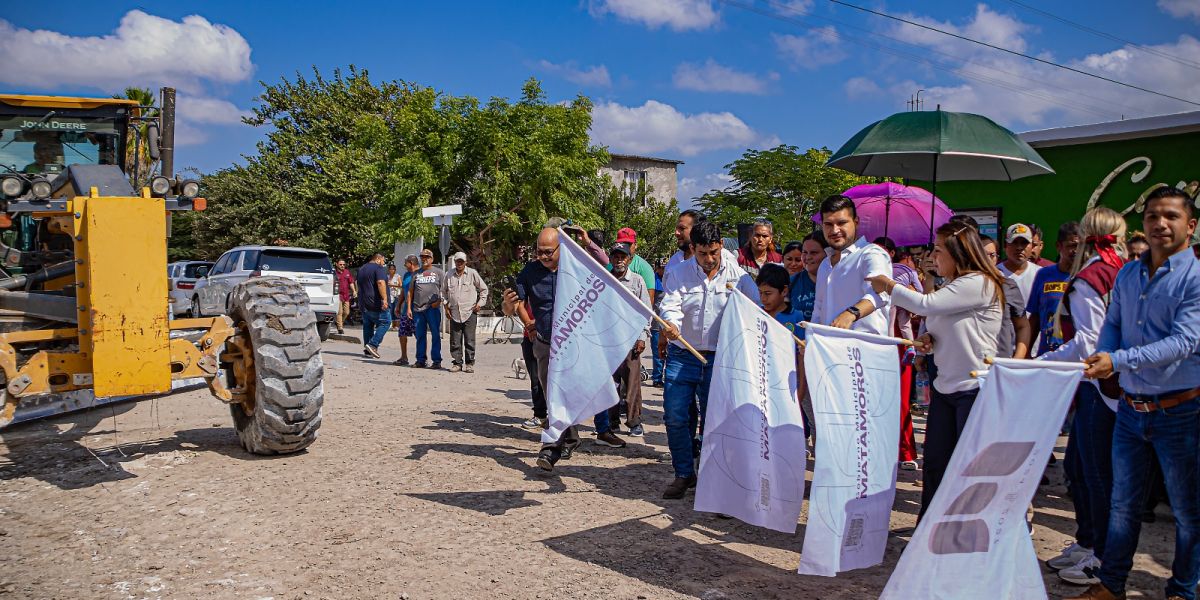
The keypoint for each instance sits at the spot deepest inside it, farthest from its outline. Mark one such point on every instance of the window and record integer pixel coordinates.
(294, 261)
(195, 270)
(634, 182)
(222, 265)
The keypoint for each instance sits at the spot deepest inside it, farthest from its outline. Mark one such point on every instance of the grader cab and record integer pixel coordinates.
(84, 290)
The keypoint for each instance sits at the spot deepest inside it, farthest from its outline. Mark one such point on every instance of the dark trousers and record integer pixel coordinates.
(535, 384)
(947, 416)
(1093, 426)
(461, 333)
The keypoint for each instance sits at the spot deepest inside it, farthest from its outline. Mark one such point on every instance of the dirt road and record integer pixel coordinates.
(422, 485)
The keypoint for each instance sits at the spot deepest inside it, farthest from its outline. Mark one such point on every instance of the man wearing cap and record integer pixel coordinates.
(637, 265)
(1016, 265)
(629, 375)
(424, 300)
(465, 294)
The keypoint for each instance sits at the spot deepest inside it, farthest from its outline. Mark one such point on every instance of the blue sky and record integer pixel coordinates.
(695, 80)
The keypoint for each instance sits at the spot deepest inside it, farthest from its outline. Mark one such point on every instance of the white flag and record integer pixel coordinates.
(973, 541)
(854, 380)
(596, 322)
(753, 460)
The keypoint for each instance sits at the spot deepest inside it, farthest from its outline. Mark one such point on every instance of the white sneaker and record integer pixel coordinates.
(1069, 557)
(1086, 572)
(908, 465)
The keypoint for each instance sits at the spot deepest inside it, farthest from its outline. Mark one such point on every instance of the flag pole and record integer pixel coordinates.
(696, 353)
(895, 340)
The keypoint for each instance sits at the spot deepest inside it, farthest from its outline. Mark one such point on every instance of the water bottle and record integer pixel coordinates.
(922, 389)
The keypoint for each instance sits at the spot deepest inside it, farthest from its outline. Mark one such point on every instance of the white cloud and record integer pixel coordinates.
(715, 77)
(195, 116)
(145, 51)
(1181, 8)
(793, 8)
(691, 188)
(678, 15)
(817, 48)
(861, 87)
(1022, 93)
(655, 127)
(596, 76)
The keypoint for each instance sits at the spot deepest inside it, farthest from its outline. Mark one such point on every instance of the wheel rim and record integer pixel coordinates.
(240, 356)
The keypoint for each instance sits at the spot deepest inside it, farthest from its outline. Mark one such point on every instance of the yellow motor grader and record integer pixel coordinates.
(84, 314)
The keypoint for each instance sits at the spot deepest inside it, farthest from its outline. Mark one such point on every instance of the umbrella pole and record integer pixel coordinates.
(887, 213)
(933, 197)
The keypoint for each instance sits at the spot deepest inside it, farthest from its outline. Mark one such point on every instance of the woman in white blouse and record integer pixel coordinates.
(962, 323)
(1078, 320)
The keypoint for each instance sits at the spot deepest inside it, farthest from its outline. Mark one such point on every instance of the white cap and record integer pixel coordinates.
(458, 256)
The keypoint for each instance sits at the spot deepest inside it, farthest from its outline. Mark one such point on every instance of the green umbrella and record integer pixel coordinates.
(939, 145)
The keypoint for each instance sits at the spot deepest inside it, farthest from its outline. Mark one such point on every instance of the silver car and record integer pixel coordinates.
(311, 268)
(181, 283)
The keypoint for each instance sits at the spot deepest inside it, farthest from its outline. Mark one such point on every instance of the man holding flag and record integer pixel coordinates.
(694, 295)
(585, 322)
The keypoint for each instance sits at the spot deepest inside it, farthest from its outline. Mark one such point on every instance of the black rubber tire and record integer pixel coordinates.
(323, 330)
(288, 369)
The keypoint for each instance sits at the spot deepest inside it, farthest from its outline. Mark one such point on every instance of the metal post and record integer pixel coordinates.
(166, 146)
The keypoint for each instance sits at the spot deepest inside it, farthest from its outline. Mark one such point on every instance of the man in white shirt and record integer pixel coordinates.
(683, 232)
(844, 297)
(1018, 268)
(694, 297)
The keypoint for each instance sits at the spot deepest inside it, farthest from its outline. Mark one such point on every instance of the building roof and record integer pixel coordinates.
(646, 158)
(1128, 129)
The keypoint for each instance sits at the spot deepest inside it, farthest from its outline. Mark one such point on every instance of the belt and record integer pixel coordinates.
(1145, 403)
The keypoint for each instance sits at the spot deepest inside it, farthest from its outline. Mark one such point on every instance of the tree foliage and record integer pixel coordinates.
(783, 185)
(653, 220)
(348, 164)
(137, 149)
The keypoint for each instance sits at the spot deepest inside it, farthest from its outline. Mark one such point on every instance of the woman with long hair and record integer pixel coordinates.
(1078, 321)
(793, 258)
(962, 322)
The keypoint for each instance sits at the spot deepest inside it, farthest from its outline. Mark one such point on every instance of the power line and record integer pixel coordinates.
(1103, 112)
(1013, 52)
(1108, 36)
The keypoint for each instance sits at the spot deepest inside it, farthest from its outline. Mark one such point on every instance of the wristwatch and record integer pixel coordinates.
(854, 311)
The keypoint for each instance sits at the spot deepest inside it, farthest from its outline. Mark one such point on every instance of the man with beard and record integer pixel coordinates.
(844, 298)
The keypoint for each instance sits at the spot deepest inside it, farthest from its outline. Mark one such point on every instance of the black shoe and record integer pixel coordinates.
(436, 365)
(401, 362)
(419, 365)
(371, 351)
(341, 331)
(547, 458)
(679, 487)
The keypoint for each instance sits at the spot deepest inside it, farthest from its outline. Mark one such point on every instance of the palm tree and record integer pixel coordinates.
(135, 155)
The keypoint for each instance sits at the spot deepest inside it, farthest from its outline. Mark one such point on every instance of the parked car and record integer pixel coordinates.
(181, 283)
(311, 268)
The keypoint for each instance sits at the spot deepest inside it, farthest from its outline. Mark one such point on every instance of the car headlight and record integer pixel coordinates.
(12, 186)
(41, 188)
(160, 186)
(189, 188)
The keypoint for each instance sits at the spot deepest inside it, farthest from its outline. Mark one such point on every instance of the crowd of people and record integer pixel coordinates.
(1127, 305)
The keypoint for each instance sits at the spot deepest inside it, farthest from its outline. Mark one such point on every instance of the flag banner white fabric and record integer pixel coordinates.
(973, 541)
(596, 322)
(753, 460)
(854, 381)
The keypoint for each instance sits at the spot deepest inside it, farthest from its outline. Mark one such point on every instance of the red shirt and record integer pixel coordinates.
(344, 281)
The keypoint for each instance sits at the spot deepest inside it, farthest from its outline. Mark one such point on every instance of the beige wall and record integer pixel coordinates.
(660, 176)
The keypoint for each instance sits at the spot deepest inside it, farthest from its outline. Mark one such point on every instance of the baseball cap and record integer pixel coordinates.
(556, 222)
(627, 235)
(1017, 231)
(622, 247)
(427, 252)
(458, 256)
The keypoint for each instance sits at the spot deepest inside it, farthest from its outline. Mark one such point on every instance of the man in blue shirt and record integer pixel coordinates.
(1150, 338)
(1049, 285)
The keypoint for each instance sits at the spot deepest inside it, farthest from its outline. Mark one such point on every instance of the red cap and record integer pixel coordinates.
(627, 235)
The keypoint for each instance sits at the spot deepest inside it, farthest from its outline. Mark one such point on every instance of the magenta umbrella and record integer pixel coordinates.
(897, 211)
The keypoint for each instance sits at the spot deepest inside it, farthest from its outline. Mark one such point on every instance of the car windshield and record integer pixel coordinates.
(50, 143)
(196, 270)
(294, 261)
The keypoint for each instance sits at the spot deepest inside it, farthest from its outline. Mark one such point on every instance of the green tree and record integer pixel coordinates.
(137, 155)
(781, 184)
(654, 221)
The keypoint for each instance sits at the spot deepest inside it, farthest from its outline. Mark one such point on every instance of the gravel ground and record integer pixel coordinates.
(421, 485)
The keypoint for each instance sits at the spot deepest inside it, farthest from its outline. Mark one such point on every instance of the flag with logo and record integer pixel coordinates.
(596, 322)
(753, 459)
(973, 541)
(854, 380)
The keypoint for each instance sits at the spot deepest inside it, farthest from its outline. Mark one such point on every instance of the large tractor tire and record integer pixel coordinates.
(283, 376)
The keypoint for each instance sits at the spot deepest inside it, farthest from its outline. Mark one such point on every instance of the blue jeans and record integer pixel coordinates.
(1173, 436)
(1093, 428)
(429, 320)
(686, 386)
(601, 422)
(656, 373)
(375, 325)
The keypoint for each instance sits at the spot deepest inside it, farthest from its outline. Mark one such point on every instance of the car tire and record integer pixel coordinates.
(195, 311)
(323, 330)
(288, 370)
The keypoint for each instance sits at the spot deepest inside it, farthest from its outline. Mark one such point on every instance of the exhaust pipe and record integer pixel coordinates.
(166, 145)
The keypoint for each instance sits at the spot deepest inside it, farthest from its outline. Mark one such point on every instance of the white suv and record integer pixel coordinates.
(181, 282)
(311, 268)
